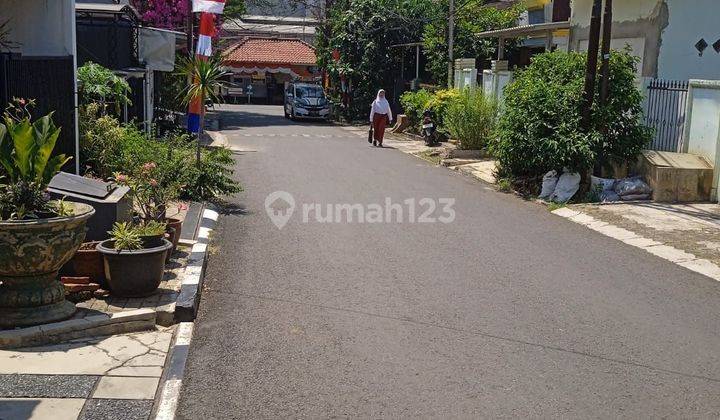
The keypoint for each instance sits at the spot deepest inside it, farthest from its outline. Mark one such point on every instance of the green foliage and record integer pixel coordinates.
(109, 148)
(470, 118)
(504, 185)
(363, 32)
(126, 237)
(101, 85)
(152, 228)
(440, 102)
(234, 9)
(552, 206)
(203, 78)
(540, 127)
(26, 162)
(471, 17)
(212, 178)
(414, 103)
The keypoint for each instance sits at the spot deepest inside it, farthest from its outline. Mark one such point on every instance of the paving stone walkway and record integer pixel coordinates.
(113, 377)
(162, 301)
(685, 234)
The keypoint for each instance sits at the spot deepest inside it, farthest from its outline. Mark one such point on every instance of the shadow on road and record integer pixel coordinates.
(238, 117)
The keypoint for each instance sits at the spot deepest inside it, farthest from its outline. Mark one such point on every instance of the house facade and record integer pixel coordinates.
(672, 38)
(41, 64)
(267, 65)
(112, 34)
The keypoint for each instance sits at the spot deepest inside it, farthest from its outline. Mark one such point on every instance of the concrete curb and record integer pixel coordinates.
(188, 300)
(171, 383)
(116, 323)
(669, 253)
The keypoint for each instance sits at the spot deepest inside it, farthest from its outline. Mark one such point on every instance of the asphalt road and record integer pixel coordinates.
(509, 311)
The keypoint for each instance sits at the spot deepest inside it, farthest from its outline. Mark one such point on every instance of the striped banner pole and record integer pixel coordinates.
(207, 9)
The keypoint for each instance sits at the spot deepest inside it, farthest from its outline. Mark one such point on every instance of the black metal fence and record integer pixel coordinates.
(51, 82)
(665, 113)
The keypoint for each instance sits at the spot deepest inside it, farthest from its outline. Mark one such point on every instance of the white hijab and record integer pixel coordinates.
(380, 105)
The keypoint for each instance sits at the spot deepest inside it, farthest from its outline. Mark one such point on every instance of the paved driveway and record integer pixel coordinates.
(509, 311)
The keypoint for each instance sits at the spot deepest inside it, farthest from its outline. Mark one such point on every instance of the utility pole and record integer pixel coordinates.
(605, 67)
(190, 22)
(592, 62)
(451, 41)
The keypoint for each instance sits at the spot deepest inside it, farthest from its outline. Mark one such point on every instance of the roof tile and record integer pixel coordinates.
(271, 50)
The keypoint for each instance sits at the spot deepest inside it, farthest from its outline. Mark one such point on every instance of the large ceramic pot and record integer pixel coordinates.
(31, 254)
(134, 273)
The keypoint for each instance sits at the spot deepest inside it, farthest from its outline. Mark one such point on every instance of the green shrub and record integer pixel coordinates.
(108, 147)
(470, 118)
(99, 84)
(413, 104)
(439, 104)
(540, 129)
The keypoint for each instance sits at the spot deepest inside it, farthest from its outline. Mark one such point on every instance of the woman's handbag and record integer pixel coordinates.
(370, 135)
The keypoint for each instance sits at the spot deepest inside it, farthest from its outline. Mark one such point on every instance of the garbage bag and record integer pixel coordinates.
(568, 184)
(632, 186)
(548, 185)
(607, 184)
(609, 196)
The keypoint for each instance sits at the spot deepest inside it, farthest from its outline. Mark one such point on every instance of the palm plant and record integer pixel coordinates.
(204, 82)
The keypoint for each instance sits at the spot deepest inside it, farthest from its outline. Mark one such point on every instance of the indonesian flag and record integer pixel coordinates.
(209, 6)
(207, 32)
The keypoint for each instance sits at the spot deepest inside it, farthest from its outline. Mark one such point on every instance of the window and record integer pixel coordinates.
(309, 92)
(536, 16)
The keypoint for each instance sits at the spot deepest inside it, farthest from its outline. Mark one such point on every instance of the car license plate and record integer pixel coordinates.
(428, 125)
(314, 113)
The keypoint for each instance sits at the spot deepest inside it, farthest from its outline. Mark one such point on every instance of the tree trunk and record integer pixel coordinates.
(592, 62)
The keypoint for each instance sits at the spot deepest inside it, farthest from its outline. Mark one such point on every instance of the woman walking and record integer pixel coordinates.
(380, 117)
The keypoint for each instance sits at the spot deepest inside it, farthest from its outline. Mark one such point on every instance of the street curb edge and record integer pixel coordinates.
(171, 384)
(188, 300)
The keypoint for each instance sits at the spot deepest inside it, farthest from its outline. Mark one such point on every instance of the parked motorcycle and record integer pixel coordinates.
(429, 128)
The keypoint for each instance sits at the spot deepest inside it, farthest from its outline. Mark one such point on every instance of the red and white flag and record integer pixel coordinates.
(207, 32)
(209, 6)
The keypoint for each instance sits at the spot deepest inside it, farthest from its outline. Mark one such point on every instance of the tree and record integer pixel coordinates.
(471, 17)
(234, 9)
(363, 31)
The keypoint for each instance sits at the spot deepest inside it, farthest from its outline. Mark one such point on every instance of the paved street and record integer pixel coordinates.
(508, 311)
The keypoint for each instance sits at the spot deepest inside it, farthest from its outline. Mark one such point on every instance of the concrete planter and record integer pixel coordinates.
(135, 273)
(31, 254)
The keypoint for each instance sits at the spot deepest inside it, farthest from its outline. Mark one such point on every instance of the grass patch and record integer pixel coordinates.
(552, 206)
(432, 156)
(504, 185)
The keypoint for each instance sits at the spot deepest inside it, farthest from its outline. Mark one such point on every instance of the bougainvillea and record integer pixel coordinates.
(166, 14)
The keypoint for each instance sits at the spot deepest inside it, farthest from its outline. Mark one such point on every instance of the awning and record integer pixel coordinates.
(156, 48)
(107, 9)
(526, 30)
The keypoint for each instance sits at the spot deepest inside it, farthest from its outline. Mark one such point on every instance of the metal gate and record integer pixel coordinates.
(665, 113)
(49, 80)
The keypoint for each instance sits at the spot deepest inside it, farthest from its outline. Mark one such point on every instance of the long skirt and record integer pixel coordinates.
(379, 123)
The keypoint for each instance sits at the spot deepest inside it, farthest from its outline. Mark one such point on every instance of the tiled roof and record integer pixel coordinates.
(271, 50)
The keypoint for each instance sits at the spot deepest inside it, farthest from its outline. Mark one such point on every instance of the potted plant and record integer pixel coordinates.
(87, 262)
(153, 188)
(37, 236)
(133, 267)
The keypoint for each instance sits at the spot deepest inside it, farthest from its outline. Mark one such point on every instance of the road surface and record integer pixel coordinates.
(508, 311)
